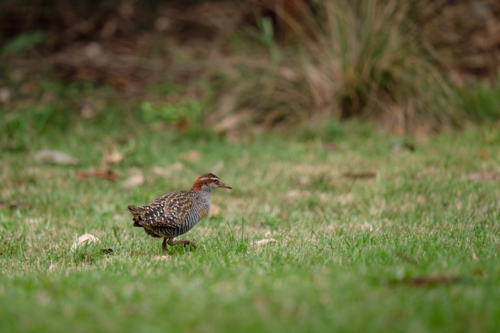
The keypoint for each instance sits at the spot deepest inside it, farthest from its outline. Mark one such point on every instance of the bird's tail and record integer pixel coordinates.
(136, 213)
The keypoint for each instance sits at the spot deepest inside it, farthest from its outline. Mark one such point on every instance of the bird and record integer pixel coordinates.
(175, 213)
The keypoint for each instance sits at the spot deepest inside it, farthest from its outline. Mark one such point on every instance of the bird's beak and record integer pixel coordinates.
(225, 186)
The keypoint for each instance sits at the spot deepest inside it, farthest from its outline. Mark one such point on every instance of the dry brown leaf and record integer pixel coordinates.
(161, 172)
(5, 96)
(429, 280)
(484, 155)
(101, 172)
(113, 156)
(483, 176)
(52, 267)
(360, 175)
(55, 157)
(473, 256)
(190, 156)
(136, 180)
(87, 111)
(421, 198)
(168, 171)
(183, 124)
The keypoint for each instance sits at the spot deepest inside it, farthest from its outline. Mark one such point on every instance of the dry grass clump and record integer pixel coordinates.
(351, 58)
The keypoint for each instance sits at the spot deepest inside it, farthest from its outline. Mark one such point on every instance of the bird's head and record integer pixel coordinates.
(207, 182)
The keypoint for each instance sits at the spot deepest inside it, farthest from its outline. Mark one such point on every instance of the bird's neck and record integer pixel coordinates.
(197, 187)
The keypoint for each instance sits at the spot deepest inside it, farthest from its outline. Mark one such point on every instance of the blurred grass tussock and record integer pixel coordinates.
(412, 66)
(351, 58)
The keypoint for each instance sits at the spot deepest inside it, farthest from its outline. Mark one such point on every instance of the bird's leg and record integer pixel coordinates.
(164, 245)
(184, 241)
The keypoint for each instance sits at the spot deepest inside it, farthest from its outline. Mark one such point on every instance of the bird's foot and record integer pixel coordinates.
(184, 241)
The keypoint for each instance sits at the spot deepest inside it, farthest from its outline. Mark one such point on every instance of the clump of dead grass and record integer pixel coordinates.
(352, 59)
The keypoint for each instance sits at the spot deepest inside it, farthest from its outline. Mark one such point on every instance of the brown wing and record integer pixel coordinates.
(170, 210)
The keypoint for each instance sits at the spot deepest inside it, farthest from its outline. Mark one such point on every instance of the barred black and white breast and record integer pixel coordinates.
(171, 215)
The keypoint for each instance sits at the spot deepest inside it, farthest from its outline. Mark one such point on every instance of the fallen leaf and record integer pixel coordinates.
(168, 171)
(293, 194)
(484, 155)
(55, 157)
(265, 241)
(14, 204)
(5, 96)
(473, 256)
(430, 280)
(483, 176)
(360, 175)
(113, 156)
(183, 124)
(136, 180)
(101, 172)
(163, 172)
(190, 156)
(87, 111)
(83, 240)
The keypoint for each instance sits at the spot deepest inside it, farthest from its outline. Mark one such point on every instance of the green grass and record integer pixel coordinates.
(346, 251)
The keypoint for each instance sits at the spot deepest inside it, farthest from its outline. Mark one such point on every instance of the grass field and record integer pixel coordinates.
(412, 249)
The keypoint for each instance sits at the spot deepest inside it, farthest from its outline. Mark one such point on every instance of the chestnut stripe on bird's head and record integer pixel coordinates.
(208, 182)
